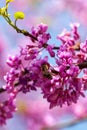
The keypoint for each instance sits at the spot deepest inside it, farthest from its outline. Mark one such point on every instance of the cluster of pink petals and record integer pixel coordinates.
(40, 33)
(26, 66)
(60, 84)
(7, 108)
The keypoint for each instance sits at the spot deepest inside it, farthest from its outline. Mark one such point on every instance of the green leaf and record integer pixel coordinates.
(19, 15)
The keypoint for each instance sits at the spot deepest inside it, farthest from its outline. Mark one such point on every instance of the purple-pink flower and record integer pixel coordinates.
(40, 33)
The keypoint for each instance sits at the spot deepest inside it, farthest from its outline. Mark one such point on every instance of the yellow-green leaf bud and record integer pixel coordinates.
(3, 11)
(19, 15)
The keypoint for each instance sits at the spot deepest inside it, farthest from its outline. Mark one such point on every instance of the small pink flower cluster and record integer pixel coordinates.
(7, 108)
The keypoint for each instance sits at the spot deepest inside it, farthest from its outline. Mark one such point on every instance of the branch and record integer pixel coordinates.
(26, 33)
(83, 65)
(22, 31)
(66, 124)
(2, 90)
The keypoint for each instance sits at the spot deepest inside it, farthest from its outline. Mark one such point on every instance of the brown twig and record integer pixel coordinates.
(2, 90)
(83, 65)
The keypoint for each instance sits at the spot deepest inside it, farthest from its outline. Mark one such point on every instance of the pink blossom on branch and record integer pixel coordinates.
(29, 70)
(7, 108)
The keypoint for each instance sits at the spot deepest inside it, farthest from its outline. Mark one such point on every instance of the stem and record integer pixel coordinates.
(2, 90)
(26, 33)
(83, 65)
(22, 31)
(65, 125)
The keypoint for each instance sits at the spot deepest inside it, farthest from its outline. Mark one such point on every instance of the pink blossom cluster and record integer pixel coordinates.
(60, 84)
(7, 108)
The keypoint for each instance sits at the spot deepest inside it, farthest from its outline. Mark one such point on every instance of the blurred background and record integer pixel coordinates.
(33, 111)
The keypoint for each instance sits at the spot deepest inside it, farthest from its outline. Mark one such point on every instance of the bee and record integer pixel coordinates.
(45, 71)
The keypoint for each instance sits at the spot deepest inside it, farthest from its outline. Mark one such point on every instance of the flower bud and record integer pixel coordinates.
(19, 15)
